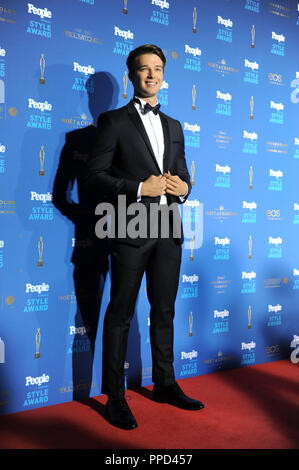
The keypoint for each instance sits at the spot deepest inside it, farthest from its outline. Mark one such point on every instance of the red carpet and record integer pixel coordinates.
(254, 407)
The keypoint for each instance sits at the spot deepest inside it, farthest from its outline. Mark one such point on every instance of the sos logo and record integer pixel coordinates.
(275, 78)
(272, 349)
(273, 213)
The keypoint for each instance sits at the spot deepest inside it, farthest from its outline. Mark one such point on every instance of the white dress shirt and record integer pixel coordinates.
(153, 127)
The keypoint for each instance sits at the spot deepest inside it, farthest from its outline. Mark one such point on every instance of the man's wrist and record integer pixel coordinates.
(143, 188)
(186, 192)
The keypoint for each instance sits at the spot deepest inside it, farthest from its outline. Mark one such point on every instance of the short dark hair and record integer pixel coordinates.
(145, 49)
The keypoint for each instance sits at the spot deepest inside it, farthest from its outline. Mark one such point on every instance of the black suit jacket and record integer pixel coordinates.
(122, 157)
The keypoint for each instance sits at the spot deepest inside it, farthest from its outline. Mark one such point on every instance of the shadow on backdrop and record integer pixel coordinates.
(90, 254)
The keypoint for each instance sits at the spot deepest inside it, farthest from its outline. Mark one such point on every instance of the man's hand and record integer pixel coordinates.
(154, 186)
(175, 186)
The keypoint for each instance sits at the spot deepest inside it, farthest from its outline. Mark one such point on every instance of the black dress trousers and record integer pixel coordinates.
(160, 260)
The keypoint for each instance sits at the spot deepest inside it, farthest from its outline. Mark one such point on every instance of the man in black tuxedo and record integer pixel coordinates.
(139, 154)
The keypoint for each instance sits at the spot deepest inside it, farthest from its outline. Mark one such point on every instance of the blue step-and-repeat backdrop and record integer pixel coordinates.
(232, 79)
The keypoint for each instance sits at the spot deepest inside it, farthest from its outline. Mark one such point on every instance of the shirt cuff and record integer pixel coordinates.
(139, 193)
(182, 198)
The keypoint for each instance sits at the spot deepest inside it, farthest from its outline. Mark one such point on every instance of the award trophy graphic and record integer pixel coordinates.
(250, 247)
(192, 173)
(251, 107)
(193, 97)
(249, 317)
(194, 20)
(125, 80)
(125, 10)
(190, 324)
(252, 36)
(42, 161)
(37, 340)
(40, 251)
(250, 177)
(42, 64)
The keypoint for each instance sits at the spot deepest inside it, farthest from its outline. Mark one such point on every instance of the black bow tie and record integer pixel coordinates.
(147, 108)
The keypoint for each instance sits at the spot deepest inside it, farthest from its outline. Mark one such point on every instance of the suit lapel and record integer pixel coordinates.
(165, 127)
(135, 118)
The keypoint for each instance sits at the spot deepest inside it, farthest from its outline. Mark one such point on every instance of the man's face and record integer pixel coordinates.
(148, 76)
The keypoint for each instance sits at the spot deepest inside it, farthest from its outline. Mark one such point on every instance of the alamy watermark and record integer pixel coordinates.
(295, 93)
(138, 220)
(295, 353)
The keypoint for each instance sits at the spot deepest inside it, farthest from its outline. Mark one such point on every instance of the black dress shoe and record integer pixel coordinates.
(118, 413)
(175, 396)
